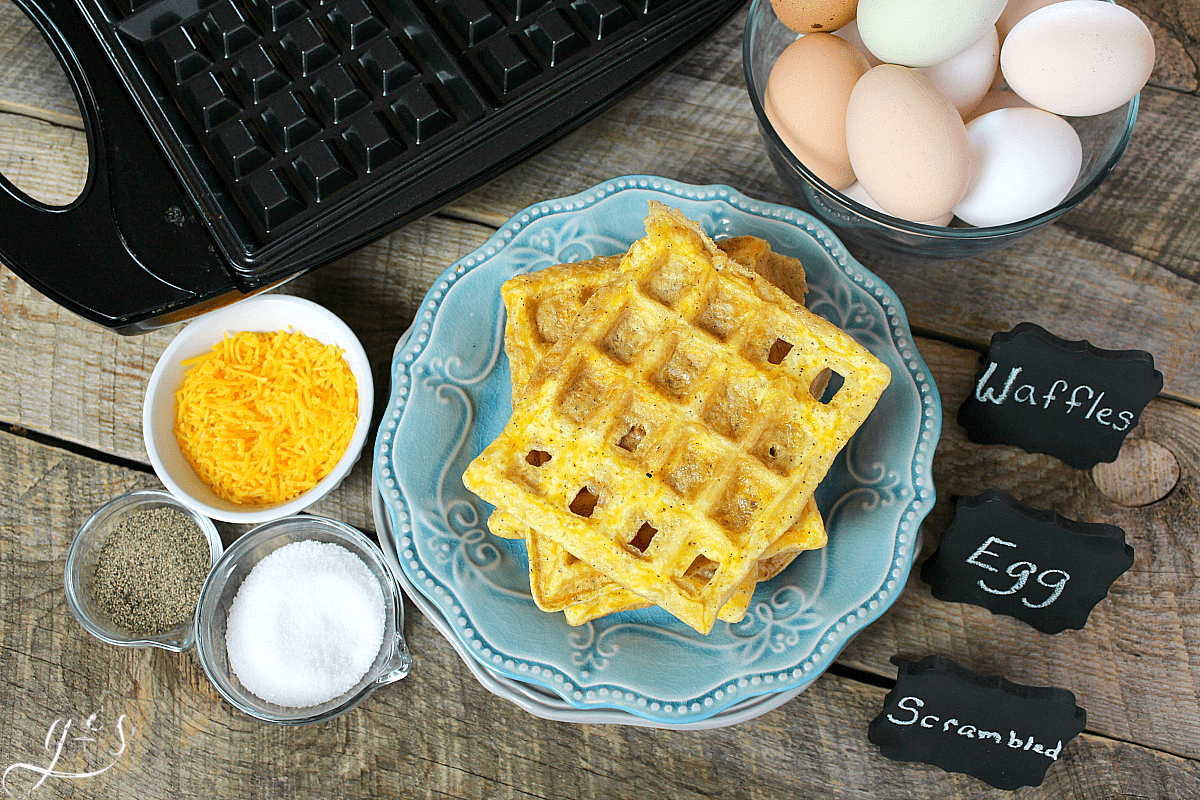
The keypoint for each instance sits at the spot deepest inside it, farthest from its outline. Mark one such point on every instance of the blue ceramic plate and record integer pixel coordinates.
(450, 398)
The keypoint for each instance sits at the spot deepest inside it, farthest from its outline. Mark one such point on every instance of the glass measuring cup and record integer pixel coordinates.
(391, 663)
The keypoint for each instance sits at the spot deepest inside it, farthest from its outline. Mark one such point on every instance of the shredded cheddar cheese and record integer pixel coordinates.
(263, 417)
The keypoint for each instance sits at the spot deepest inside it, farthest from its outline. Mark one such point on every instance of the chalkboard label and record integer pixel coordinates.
(1035, 565)
(1066, 399)
(1003, 733)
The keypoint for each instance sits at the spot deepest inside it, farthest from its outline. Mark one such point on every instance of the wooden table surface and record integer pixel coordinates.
(1121, 270)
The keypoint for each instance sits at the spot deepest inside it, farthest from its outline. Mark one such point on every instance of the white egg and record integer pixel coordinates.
(966, 77)
(1024, 161)
(857, 192)
(1078, 57)
(921, 33)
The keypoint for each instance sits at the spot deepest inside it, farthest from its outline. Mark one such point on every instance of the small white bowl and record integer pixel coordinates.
(263, 314)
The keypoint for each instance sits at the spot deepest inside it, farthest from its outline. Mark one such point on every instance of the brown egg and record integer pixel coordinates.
(807, 16)
(907, 143)
(806, 98)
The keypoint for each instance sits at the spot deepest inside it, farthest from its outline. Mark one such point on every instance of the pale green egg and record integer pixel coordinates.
(921, 33)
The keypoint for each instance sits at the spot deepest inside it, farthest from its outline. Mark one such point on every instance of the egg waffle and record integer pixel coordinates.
(542, 306)
(671, 436)
(617, 598)
(560, 582)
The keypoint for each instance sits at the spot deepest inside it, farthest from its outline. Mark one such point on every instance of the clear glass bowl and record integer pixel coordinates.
(1104, 138)
(80, 570)
(391, 663)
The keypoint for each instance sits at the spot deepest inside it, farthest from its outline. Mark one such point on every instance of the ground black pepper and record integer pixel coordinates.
(150, 570)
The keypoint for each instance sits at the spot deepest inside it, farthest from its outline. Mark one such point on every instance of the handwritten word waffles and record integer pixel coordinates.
(673, 434)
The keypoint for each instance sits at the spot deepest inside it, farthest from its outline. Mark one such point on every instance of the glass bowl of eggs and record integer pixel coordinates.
(943, 131)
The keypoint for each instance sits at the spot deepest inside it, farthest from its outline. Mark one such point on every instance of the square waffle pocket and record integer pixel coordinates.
(671, 436)
(542, 307)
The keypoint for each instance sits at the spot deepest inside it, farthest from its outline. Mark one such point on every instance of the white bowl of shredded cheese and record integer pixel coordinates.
(258, 410)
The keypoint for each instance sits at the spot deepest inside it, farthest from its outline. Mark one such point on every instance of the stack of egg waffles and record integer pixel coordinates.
(672, 437)
(542, 307)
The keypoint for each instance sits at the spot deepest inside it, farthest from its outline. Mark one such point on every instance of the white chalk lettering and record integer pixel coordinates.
(988, 395)
(1050, 395)
(1025, 394)
(951, 725)
(1057, 586)
(1020, 571)
(913, 704)
(983, 550)
(1074, 403)
(1076, 397)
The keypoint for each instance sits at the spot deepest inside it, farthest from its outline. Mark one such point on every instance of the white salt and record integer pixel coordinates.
(306, 624)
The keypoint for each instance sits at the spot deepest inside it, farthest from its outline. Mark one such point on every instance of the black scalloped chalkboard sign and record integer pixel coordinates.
(1035, 565)
(1001, 732)
(1067, 399)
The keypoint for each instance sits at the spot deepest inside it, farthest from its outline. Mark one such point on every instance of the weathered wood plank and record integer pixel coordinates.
(1133, 666)
(31, 80)
(48, 162)
(1176, 28)
(436, 734)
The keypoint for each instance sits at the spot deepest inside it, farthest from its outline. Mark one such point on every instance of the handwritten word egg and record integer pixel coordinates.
(921, 33)
(1078, 57)
(1024, 162)
(806, 98)
(809, 16)
(966, 77)
(907, 143)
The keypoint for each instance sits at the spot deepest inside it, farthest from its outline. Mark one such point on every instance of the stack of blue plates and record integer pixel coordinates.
(450, 396)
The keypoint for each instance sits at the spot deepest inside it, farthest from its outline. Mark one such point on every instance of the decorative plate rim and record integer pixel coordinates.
(835, 633)
(540, 701)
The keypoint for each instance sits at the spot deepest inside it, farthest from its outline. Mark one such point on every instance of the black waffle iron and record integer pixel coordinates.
(237, 143)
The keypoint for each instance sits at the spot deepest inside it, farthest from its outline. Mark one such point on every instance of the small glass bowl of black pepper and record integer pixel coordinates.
(135, 569)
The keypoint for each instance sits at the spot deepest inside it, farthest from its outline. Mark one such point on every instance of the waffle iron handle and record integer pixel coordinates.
(131, 248)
